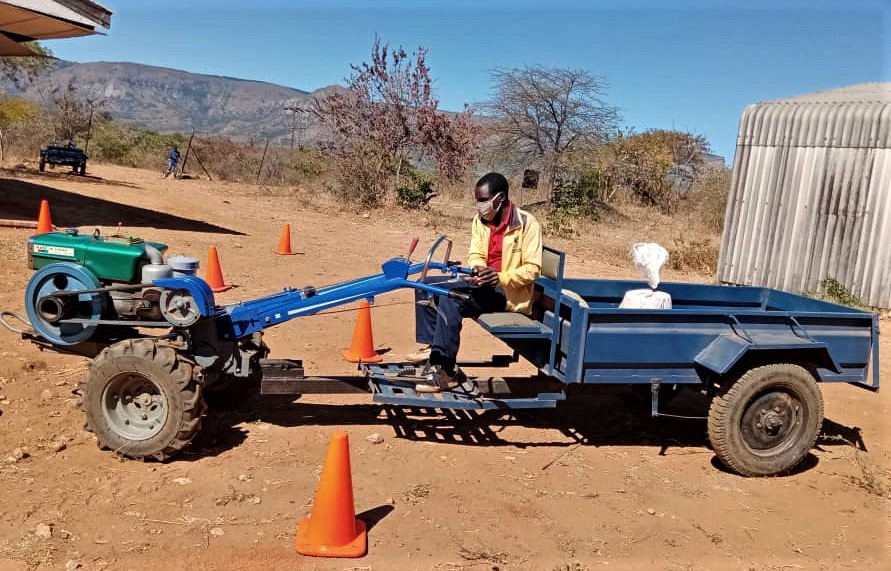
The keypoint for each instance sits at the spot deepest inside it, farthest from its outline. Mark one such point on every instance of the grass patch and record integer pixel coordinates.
(837, 292)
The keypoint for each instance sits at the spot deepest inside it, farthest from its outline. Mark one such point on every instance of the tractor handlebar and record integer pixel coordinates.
(459, 296)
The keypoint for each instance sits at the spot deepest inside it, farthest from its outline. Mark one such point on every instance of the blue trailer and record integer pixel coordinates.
(758, 354)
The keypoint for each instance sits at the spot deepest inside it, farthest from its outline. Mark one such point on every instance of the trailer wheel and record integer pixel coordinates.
(141, 401)
(765, 423)
(41, 165)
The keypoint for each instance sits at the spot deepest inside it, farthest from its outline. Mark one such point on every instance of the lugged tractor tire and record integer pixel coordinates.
(766, 422)
(141, 400)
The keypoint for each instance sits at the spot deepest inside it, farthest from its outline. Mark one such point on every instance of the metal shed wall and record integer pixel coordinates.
(810, 195)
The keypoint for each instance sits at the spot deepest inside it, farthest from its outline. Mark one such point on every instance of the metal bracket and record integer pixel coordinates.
(654, 397)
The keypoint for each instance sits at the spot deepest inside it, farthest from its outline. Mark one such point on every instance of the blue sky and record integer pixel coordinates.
(691, 65)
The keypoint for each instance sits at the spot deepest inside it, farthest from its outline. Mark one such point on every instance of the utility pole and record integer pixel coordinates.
(89, 126)
(262, 160)
(294, 111)
(182, 169)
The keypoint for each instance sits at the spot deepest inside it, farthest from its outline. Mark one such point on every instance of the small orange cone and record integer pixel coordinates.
(362, 347)
(214, 274)
(44, 223)
(332, 530)
(284, 243)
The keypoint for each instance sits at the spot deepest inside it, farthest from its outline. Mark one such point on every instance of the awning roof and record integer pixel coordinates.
(27, 20)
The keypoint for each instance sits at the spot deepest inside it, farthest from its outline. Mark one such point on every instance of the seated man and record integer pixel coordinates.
(505, 255)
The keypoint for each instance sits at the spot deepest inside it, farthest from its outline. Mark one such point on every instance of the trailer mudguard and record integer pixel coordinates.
(726, 350)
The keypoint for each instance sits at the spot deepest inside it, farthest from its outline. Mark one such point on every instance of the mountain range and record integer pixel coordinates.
(169, 100)
(175, 101)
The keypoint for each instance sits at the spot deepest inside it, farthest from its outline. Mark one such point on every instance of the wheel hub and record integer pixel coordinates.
(134, 406)
(769, 421)
(772, 420)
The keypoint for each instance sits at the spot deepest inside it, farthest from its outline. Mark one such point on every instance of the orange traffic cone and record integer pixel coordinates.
(332, 530)
(44, 223)
(284, 243)
(214, 274)
(362, 347)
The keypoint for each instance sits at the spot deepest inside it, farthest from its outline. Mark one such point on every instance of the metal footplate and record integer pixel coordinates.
(394, 383)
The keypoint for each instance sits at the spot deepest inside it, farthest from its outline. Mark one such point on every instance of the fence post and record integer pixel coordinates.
(262, 160)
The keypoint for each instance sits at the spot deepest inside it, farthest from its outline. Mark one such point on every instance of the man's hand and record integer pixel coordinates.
(483, 276)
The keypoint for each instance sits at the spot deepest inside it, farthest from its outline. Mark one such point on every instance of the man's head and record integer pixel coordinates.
(491, 194)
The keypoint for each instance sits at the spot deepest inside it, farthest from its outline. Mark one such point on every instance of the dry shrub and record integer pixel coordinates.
(698, 255)
(710, 194)
(24, 141)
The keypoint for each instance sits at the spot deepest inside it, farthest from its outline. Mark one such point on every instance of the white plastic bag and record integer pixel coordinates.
(645, 299)
(649, 258)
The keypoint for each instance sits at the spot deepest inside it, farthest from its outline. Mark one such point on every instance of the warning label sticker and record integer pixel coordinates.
(53, 250)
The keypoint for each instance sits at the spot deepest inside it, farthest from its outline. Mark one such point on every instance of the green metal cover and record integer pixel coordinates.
(112, 258)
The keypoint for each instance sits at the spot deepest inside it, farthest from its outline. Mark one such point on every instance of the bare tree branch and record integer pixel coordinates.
(547, 112)
(387, 115)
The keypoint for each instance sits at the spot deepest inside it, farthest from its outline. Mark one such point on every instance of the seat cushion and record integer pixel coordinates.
(515, 322)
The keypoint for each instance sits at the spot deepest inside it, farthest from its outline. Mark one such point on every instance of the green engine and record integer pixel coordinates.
(109, 258)
(82, 280)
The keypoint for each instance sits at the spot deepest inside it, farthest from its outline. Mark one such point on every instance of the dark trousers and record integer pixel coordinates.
(441, 328)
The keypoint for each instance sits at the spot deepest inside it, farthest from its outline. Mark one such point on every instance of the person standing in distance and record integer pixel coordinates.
(172, 162)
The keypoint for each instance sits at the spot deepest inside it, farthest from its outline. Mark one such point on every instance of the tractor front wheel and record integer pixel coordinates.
(141, 400)
(767, 421)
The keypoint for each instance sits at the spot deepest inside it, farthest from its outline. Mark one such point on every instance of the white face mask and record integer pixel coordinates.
(487, 208)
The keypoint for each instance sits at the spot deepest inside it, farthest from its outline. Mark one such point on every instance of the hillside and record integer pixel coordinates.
(170, 100)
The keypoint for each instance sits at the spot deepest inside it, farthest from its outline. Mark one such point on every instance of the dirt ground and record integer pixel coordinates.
(593, 484)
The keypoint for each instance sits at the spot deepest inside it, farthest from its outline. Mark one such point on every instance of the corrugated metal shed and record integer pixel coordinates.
(810, 195)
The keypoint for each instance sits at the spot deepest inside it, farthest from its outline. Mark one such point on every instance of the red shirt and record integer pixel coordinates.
(496, 239)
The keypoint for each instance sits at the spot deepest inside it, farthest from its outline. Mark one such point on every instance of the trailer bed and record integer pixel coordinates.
(579, 334)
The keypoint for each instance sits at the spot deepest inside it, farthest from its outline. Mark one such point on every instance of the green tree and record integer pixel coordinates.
(656, 166)
(14, 111)
(542, 114)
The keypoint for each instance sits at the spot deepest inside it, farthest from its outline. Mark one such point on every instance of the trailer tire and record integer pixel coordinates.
(41, 166)
(765, 423)
(141, 400)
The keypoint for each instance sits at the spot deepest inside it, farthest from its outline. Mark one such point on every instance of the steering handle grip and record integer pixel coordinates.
(412, 246)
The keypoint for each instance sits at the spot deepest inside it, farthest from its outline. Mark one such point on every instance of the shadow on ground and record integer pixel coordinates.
(598, 416)
(20, 200)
